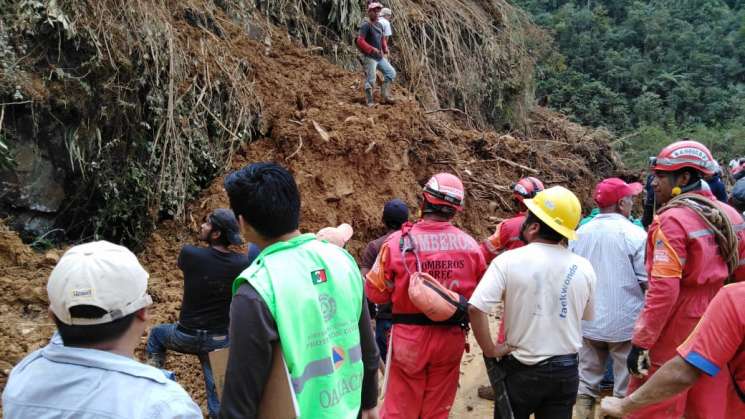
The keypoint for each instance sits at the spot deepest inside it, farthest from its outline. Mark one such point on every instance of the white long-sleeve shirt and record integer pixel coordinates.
(615, 247)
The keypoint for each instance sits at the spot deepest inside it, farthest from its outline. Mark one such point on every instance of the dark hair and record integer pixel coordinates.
(222, 240)
(695, 174)
(392, 224)
(266, 196)
(86, 335)
(442, 210)
(545, 232)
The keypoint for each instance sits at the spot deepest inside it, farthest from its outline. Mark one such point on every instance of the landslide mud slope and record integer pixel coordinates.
(348, 159)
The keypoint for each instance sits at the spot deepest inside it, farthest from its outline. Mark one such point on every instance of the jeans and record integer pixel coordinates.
(167, 336)
(547, 389)
(382, 334)
(371, 64)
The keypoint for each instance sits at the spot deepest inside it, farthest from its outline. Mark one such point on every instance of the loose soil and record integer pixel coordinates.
(348, 160)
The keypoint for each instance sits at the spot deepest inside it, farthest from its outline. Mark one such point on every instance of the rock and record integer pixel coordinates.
(34, 184)
(51, 258)
(493, 206)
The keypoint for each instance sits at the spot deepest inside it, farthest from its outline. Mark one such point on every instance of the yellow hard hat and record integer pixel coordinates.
(559, 208)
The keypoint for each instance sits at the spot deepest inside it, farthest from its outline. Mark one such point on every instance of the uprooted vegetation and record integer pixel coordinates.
(141, 103)
(138, 105)
(476, 56)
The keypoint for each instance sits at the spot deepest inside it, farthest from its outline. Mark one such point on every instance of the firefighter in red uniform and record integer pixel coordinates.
(424, 366)
(686, 268)
(507, 234)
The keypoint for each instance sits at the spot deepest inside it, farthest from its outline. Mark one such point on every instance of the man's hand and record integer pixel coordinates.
(376, 53)
(638, 362)
(370, 413)
(612, 406)
(498, 350)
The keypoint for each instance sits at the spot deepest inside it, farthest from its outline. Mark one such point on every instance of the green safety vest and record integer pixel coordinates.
(314, 291)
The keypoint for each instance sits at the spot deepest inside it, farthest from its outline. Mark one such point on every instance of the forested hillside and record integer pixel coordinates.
(647, 70)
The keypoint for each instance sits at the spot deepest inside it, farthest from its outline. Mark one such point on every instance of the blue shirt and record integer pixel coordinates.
(58, 381)
(615, 247)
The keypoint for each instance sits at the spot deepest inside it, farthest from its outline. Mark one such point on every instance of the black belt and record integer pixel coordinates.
(569, 360)
(200, 332)
(421, 320)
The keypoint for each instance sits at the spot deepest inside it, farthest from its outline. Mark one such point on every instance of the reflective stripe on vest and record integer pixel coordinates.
(314, 292)
(323, 367)
(708, 232)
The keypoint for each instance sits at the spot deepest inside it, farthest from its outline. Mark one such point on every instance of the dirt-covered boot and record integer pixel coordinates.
(369, 97)
(386, 93)
(486, 392)
(584, 408)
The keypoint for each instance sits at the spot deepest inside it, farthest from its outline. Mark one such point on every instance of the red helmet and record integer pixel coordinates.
(445, 189)
(526, 188)
(685, 153)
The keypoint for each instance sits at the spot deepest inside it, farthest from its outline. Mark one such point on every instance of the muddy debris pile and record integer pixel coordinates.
(348, 159)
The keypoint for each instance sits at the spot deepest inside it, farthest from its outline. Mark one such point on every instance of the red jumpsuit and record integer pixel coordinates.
(505, 237)
(685, 271)
(425, 359)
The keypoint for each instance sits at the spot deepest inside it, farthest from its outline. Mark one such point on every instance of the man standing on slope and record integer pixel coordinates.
(425, 355)
(372, 43)
(547, 291)
(691, 251)
(395, 214)
(507, 234)
(302, 293)
(615, 248)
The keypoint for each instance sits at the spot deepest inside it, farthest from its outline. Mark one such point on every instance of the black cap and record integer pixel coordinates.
(396, 211)
(224, 220)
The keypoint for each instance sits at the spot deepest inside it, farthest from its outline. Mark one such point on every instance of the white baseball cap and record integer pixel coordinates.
(99, 274)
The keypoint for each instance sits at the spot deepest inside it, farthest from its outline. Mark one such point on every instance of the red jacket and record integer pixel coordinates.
(685, 271)
(505, 237)
(448, 254)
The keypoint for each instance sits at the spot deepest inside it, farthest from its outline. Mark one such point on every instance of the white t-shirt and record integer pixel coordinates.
(547, 291)
(387, 31)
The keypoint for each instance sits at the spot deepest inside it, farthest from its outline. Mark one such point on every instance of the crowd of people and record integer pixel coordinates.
(662, 308)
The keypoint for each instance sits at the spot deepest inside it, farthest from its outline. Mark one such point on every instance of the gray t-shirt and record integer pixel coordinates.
(372, 33)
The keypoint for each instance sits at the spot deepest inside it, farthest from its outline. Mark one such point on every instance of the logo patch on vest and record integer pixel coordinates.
(318, 277)
(337, 354)
(328, 306)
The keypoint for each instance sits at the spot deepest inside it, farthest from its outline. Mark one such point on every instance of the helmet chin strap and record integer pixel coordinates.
(688, 188)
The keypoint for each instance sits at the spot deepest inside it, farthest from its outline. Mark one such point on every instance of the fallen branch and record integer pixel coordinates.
(299, 146)
(511, 163)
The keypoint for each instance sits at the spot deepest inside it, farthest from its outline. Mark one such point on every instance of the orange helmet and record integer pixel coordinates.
(445, 189)
(526, 188)
(685, 153)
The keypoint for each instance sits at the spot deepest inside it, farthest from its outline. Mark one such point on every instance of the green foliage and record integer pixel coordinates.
(724, 142)
(675, 65)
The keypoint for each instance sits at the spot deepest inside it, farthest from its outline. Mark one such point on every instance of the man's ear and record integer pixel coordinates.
(143, 314)
(683, 179)
(215, 234)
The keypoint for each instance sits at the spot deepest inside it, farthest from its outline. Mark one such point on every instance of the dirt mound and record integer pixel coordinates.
(347, 159)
